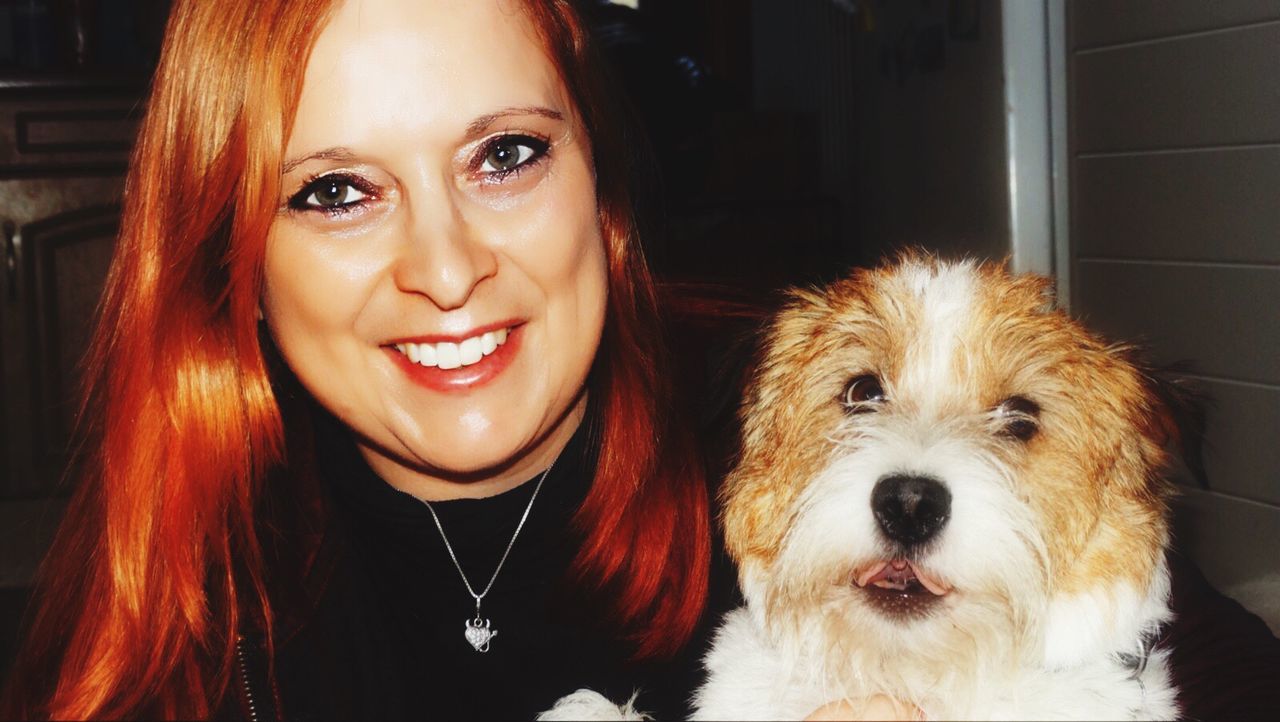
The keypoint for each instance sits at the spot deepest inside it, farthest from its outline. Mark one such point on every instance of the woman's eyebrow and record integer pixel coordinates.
(343, 154)
(338, 153)
(480, 124)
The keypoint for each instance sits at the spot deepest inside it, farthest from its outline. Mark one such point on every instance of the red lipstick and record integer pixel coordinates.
(436, 361)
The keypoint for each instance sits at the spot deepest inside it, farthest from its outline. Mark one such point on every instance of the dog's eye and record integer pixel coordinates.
(863, 393)
(1020, 416)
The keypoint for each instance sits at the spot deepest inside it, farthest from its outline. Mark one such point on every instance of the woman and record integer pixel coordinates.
(430, 228)
(375, 423)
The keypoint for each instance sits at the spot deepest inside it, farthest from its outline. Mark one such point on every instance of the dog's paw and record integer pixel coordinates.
(586, 704)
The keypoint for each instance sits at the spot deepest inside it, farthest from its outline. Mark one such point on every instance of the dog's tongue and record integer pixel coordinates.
(897, 574)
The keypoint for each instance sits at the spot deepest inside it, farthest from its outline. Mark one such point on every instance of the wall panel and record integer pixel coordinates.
(1218, 205)
(1242, 453)
(1223, 319)
(1105, 22)
(1208, 90)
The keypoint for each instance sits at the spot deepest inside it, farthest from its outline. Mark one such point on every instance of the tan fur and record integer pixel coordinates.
(1108, 520)
(1091, 476)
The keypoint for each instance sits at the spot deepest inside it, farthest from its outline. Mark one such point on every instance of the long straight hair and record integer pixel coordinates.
(139, 602)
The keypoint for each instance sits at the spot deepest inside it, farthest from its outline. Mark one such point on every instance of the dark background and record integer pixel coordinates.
(795, 138)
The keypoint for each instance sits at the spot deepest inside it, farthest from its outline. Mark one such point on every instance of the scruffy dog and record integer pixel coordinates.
(951, 494)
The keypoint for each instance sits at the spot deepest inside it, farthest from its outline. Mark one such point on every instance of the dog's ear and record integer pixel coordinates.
(1177, 412)
(1181, 410)
(760, 489)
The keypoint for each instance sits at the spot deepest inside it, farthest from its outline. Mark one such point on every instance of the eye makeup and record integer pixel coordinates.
(497, 160)
(333, 194)
(509, 155)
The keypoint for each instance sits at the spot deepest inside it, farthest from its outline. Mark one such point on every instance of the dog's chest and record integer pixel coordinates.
(753, 678)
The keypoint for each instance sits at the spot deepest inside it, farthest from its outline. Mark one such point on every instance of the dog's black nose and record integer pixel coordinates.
(910, 509)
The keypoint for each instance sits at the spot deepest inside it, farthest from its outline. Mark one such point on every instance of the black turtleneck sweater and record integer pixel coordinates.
(386, 637)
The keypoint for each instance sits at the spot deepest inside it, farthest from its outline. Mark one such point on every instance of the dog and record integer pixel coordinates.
(949, 493)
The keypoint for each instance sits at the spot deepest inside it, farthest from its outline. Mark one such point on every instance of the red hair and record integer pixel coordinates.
(158, 558)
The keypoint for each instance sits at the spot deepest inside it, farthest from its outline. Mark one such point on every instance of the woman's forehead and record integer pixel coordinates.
(422, 66)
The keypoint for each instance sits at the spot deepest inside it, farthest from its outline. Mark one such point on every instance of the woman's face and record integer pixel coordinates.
(436, 274)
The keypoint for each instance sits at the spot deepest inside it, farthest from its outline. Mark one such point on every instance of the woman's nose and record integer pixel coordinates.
(445, 257)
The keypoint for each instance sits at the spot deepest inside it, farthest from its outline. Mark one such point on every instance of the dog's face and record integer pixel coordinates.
(937, 465)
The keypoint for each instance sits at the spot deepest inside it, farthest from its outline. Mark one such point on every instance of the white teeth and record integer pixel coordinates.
(448, 355)
(469, 351)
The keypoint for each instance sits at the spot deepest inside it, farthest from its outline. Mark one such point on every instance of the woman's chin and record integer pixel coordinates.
(476, 456)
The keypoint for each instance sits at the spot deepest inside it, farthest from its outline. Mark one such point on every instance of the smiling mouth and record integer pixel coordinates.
(899, 588)
(447, 355)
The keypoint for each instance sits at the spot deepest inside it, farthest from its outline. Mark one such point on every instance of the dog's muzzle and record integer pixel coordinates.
(911, 511)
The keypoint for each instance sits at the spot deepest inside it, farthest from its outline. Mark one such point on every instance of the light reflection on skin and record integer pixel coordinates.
(475, 423)
(402, 104)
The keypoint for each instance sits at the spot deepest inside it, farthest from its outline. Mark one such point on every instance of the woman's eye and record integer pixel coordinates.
(330, 193)
(510, 153)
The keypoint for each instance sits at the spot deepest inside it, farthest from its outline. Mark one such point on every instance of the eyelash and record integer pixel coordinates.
(298, 202)
(541, 148)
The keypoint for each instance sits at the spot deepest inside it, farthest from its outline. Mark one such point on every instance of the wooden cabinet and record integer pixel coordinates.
(64, 146)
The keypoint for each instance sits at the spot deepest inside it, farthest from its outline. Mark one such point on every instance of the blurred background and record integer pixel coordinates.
(1128, 148)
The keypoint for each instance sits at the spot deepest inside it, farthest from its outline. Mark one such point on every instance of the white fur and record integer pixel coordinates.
(944, 296)
(1105, 621)
(785, 663)
(750, 680)
(586, 704)
(1002, 647)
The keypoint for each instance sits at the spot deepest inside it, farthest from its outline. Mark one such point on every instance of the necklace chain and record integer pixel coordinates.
(449, 547)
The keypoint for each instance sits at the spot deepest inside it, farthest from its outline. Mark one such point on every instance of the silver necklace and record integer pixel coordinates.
(479, 632)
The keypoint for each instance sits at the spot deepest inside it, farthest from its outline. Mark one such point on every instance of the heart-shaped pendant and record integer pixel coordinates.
(479, 634)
